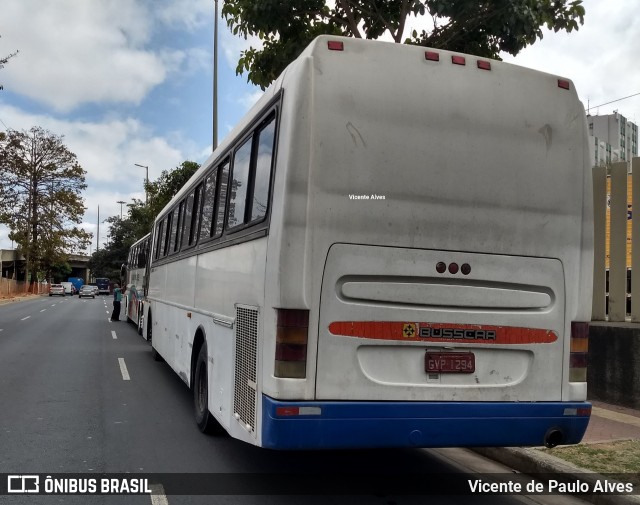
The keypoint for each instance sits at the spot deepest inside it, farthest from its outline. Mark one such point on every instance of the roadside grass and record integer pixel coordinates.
(620, 457)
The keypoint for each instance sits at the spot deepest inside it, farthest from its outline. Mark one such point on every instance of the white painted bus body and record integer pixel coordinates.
(461, 165)
(134, 281)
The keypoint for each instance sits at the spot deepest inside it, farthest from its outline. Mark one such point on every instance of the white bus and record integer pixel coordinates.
(133, 279)
(393, 248)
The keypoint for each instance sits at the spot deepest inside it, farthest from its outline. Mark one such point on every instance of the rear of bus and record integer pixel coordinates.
(430, 253)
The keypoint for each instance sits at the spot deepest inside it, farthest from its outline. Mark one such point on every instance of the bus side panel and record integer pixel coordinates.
(227, 278)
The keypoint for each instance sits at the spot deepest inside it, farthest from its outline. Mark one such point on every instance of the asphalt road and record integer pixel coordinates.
(65, 407)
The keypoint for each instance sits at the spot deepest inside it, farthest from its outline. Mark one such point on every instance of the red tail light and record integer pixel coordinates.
(291, 343)
(579, 352)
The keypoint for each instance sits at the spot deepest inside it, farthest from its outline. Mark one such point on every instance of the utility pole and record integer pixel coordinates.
(146, 180)
(98, 239)
(121, 202)
(215, 79)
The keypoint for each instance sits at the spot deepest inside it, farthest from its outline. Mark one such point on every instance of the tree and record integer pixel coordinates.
(484, 28)
(39, 197)
(3, 62)
(167, 186)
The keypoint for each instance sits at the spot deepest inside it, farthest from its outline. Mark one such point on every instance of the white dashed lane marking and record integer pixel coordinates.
(157, 495)
(123, 370)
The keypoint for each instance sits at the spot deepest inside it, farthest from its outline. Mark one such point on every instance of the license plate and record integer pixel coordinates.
(450, 362)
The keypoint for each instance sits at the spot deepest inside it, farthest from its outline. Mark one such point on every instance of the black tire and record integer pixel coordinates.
(205, 421)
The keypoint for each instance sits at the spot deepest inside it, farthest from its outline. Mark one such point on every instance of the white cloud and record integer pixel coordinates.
(192, 14)
(232, 45)
(248, 100)
(76, 52)
(599, 57)
(108, 151)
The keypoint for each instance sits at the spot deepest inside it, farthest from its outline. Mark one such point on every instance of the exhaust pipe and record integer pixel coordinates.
(553, 437)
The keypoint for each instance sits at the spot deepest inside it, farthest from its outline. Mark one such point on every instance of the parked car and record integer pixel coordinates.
(56, 289)
(96, 290)
(86, 291)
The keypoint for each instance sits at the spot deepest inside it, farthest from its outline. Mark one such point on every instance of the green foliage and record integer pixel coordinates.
(40, 198)
(165, 188)
(482, 28)
(59, 272)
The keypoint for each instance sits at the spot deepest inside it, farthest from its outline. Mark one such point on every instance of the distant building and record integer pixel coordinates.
(614, 138)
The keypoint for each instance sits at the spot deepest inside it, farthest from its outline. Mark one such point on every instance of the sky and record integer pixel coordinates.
(129, 82)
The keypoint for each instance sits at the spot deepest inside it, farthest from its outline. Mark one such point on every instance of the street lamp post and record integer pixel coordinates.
(215, 78)
(146, 180)
(121, 202)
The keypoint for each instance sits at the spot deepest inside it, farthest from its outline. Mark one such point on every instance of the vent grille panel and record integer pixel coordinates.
(245, 395)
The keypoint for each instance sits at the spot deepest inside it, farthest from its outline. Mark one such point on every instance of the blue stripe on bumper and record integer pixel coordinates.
(341, 425)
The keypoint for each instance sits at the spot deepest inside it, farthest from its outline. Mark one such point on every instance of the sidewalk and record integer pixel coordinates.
(608, 424)
(4, 299)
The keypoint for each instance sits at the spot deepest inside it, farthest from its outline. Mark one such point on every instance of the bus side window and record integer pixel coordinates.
(167, 226)
(174, 229)
(222, 197)
(208, 205)
(240, 184)
(262, 179)
(159, 239)
(195, 218)
(186, 222)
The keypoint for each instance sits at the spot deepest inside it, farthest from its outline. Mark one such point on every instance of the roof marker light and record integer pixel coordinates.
(431, 56)
(484, 65)
(563, 83)
(335, 45)
(458, 60)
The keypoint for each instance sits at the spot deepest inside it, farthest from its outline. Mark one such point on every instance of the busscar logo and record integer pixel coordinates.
(457, 333)
(23, 484)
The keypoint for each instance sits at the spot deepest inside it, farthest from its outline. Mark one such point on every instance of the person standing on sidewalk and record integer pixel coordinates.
(117, 298)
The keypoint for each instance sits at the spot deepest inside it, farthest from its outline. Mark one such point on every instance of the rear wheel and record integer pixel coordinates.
(205, 421)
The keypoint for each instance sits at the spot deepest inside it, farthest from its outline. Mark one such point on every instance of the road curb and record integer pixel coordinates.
(6, 301)
(532, 461)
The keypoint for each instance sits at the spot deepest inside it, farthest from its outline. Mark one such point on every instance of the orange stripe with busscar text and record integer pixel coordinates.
(394, 330)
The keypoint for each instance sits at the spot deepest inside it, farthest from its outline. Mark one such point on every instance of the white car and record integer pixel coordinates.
(68, 288)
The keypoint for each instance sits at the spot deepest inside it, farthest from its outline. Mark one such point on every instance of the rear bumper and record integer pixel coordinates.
(341, 425)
